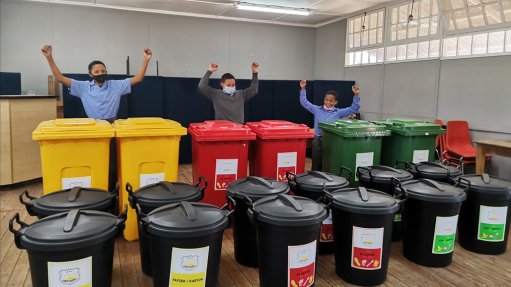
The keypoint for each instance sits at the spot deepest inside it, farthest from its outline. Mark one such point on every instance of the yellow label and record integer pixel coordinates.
(187, 280)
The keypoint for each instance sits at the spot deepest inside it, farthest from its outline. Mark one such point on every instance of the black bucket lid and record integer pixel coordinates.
(382, 174)
(70, 230)
(486, 184)
(164, 192)
(286, 210)
(185, 220)
(433, 170)
(256, 188)
(364, 201)
(314, 181)
(433, 191)
(67, 199)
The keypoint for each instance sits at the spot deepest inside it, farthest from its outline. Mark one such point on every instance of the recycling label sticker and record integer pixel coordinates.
(77, 273)
(286, 161)
(226, 172)
(367, 246)
(301, 265)
(363, 159)
(492, 223)
(188, 267)
(151, 178)
(70, 182)
(445, 234)
(327, 230)
(420, 156)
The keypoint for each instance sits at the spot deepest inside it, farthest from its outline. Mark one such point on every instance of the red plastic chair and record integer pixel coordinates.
(457, 140)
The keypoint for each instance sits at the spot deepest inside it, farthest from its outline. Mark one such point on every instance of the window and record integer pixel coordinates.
(475, 14)
(477, 44)
(365, 39)
(365, 57)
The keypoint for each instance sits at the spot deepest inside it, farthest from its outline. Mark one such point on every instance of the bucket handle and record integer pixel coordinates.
(132, 199)
(290, 201)
(291, 176)
(17, 233)
(326, 199)
(432, 183)
(26, 203)
(121, 218)
(202, 189)
(405, 164)
(230, 206)
(74, 193)
(402, 195)
(343, 168)
(189, 210)
(359, 173)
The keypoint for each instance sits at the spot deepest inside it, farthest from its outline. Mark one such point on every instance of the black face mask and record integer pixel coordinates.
(100, 78)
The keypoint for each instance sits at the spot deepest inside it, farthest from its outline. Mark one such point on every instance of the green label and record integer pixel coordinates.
(492, 223)
(445, 234)
(397, 217)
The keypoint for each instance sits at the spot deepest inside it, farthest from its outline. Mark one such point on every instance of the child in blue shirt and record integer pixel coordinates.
(326, 113)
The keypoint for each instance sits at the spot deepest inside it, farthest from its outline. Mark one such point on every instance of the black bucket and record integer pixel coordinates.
(363, 222)
(485, 215)
(156, 195)
(379, 177)
(288, 231)
(430, 218)
(70, 248)
(434, 171)
(244, 192)
(68, 199)
(312, 184)
(186, 243)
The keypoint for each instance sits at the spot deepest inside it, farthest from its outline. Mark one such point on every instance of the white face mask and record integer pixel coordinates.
(229, 90)
(328, 109)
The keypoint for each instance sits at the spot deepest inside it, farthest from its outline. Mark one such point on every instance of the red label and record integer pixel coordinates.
(366, 258)
(327, 233)
(367, 248)
(222, 180)
(301, 277)
(281, 172)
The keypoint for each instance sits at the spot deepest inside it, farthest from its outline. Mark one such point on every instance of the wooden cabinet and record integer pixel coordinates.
(19, 154)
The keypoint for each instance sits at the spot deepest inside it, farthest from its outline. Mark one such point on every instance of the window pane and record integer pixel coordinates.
(476, 16)
(380, 55)
(357, 58)
(450, 22)
(461, 19)
(365, 57)
(403, 13)
(401, 33)
(479, 44)
(350, 27)
(391, 53)
(425, 8)
(415, 11)
(411, 51)
(394, 16)
(464, 45)
(456, 4)
(372, 37)
(423, 27)
(412, 29)
(506, 6)
(473, 2)
(450, 47)
(423, 49)
(356, 41)
(365, 38)
(434, 48)
(373, 55)
(496, 42)
(380, 19)
(434, 25)
(347, 59)
(352, 58)
(493, 13)
(380, 35)
(356, 24)
(401, 52)
(393, 32)
(373, 19)
(434, 8)
(350, 41)
(508, 41)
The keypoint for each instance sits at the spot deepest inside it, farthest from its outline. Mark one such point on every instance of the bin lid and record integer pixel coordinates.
(486, 183)
(185, 220)
(220, 130)
(433, 191)
(256, 188)
(147, 127)
(73, 198)
(433, 170)
(409, 127)
(286, 210)
(382, 174)
(314, 181)
(355, 128)
(275, 129)
(164, 192)
(70, 230)
(364, 201)
(73, 128)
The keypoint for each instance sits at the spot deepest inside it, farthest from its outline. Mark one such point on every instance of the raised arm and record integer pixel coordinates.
(355, 106)
(203, 86)
(47, 52)
(140, 75)
(251, 91)
(303, 98)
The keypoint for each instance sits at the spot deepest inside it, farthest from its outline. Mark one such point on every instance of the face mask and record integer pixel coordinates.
(328, 109)
(229, 90)
(100, 78)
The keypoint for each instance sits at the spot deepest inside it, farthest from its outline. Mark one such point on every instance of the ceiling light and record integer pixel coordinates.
(271, 9)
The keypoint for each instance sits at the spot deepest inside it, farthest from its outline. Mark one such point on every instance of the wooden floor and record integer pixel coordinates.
(467, 268)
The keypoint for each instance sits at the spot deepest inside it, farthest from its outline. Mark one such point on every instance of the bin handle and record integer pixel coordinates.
(167, 186)
(129, 188)
(432, 183)
(139, 210)
(74, 193)
(460, 179)
(17, 233)
(402, 195)
(486, 178)
(362, 192)
(291, 201)
(121, 218)
(259, 180)
(291, 176)
(359, 173)
(230, 202)
(71, 220)
(201, 178)
(405, 164)
(350, 173)
(321, 174)
(26, 203)
(189, 210)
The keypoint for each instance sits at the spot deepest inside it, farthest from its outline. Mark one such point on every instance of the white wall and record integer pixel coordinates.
(330, 51)
(183, 46)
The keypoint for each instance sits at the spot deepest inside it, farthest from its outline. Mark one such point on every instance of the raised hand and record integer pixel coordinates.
(255, 67)
(46, 49)
(355, 89)
(148, 54)
(213, 67)
(303, 84)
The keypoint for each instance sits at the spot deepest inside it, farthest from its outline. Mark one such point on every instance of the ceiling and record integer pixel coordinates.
(323, 11)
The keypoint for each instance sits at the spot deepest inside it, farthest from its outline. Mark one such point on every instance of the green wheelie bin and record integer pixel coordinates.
(411, 141)
(351, 143)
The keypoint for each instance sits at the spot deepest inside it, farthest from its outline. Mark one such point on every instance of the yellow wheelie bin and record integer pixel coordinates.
(147, 153)
(74, 152)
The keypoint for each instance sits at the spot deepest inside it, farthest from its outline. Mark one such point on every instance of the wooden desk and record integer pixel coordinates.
(496, 147)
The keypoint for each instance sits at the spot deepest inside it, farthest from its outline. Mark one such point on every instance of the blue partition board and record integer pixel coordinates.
(10, 83)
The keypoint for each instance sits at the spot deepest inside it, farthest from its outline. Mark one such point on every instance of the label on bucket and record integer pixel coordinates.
(188, 267)
(363, 159)
(151, 178)
(397, 217)
(70, 182)
(327, 230)
(420, 155)
(77, 273)
(301, 264)
(492, 223)
(286, 161)
(445, 234)
(226, 172)
(367, 245)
